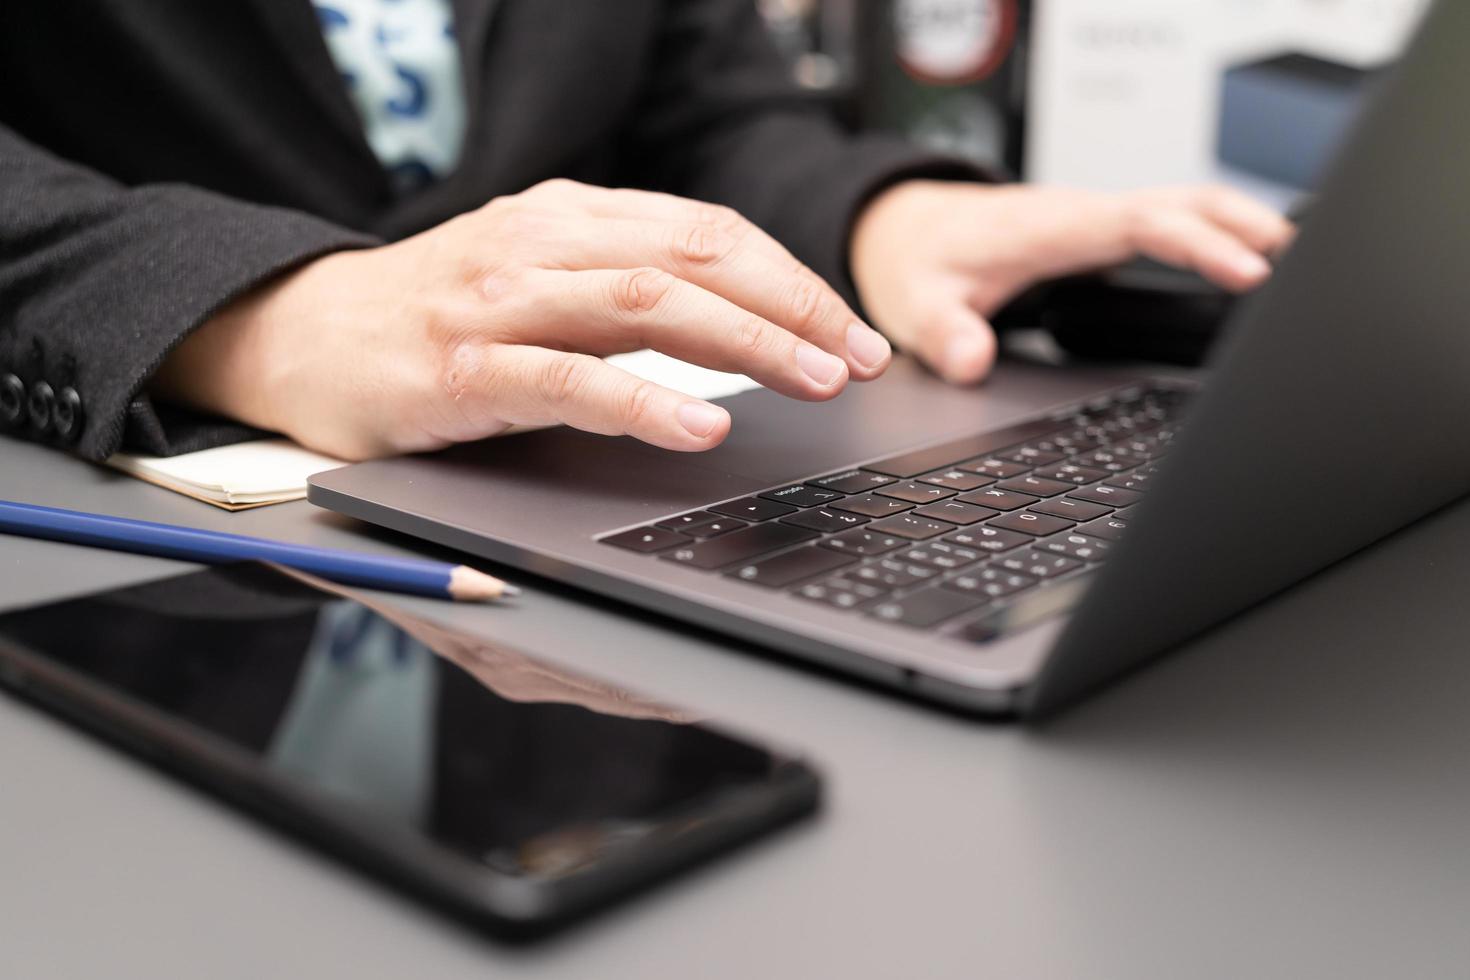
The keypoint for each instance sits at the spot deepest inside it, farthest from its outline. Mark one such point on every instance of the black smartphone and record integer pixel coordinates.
(501, 787)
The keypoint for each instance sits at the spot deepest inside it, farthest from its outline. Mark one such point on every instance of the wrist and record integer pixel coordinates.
(239, 362)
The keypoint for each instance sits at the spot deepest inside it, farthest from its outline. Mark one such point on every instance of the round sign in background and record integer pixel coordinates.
(953, 42)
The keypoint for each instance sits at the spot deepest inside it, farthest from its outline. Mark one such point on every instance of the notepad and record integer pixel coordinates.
(238, 477)
(273, 471)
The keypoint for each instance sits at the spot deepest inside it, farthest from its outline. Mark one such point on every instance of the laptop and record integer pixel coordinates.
(1006, 549)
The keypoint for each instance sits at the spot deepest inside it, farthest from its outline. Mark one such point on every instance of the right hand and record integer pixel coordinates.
(499, 317)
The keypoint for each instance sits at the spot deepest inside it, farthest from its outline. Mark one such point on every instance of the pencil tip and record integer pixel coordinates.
(468, 585)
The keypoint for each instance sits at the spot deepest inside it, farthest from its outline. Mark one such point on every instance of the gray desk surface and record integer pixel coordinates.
(1289, 797)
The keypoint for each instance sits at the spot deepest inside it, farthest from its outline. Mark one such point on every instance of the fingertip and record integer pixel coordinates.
(967, 359)
(1248, 270)
(826, 372)
(707, 423)
(869, 352)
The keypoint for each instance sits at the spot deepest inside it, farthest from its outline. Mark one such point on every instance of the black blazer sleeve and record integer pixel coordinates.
(99, 281)
(720, 120)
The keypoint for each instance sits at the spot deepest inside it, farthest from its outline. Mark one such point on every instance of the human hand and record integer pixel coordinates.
(934, 260)
(499, 317)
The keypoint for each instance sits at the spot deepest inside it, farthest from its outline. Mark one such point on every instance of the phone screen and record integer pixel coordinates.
(366, 715)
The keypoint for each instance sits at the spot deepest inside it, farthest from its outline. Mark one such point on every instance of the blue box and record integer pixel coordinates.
(1283, 118)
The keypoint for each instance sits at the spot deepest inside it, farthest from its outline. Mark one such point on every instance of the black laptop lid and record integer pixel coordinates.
(1336, 413)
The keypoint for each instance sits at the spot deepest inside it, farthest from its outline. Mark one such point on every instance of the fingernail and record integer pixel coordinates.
(700, 418)
(820, 366)
(1253, 266)
(867, 346)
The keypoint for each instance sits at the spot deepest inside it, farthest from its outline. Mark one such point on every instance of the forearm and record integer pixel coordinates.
(101, 281)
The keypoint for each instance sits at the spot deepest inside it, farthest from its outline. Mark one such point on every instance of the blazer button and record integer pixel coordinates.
(12, 401)
(67, 416)
(42, 401)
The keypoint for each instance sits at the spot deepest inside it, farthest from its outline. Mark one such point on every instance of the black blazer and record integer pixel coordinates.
(160, 157)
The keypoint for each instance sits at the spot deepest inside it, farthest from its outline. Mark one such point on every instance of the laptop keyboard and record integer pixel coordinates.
(947, 534)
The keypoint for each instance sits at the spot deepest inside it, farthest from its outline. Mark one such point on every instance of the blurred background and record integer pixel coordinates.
(1109, 94)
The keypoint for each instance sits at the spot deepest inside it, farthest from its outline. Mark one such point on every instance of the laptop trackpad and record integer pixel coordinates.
(773, 438)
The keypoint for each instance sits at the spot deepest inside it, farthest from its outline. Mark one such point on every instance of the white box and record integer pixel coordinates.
(1126, 93)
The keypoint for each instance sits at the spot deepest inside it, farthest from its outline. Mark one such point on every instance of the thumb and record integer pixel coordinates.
(956, 342)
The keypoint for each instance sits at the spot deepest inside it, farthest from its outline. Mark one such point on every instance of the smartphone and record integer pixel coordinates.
(500, 787)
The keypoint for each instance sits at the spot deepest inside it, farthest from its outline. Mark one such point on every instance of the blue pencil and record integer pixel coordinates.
(411, 575)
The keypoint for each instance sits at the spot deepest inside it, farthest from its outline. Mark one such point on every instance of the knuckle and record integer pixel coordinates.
(751, 338)
(804, 304)
(718, 216)
(1218, 195)
(1208, 199)
(640, 291)
(563, 378)
(518, 222)
(637, 403)
(554, 186)
(462, 364)
(702, 244)
(497, 206)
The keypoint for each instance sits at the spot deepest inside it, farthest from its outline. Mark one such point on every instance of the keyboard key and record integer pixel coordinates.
(993, 540)
(686, 520)
(715, 528)
(1137, 480)
(912, 527)
(993, 466)
(1078, 546)
(871, 506)
(1077, 440)
(1029, 523)
(916, 493)
(927, 607)
(646, 539)
(1032, 456)
(891, 573)
(1072, 510)
(1035, 485)
(863, 542)
(824, 520)
(852, 481)
(909, 465)
(791, 566)
(990, 582)
(957, 480)
(1103, 459)
(1072, 473)
(842, 592)
(753, 509)
(1038, 564)
(1112, 496)
(1138, 447)
(999, 499)
(739, 546)
(801, 495)
(956, 512)
(1052, 445)
(1109, 528)
(941, 555)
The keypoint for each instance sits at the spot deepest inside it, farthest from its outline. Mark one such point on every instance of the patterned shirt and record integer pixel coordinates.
(401, 66)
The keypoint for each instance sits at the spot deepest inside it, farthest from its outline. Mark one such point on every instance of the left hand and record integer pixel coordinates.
(934, 260)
